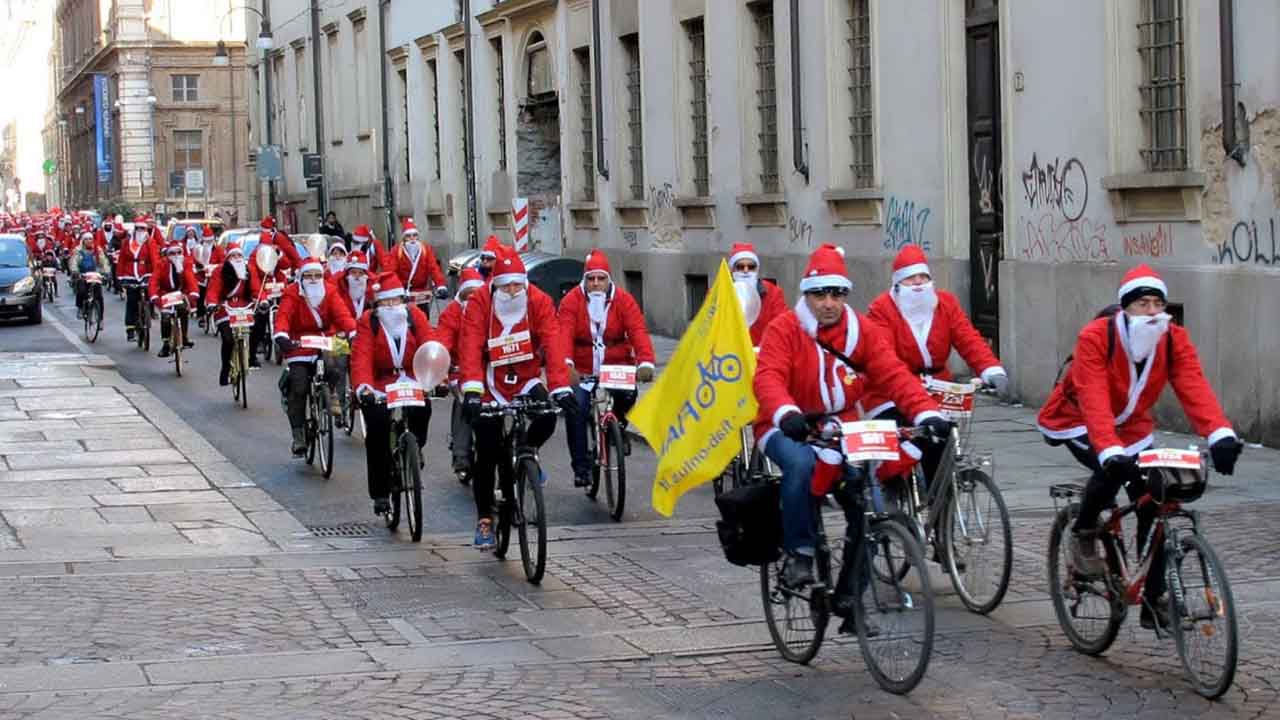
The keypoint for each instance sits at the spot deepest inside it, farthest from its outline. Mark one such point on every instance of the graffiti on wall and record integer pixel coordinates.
(984, 176)
(1062, 185)
(801, 231)
(904, 224)
(1056, 239)
(1248, 246)
(664, 217)
(1155, 244)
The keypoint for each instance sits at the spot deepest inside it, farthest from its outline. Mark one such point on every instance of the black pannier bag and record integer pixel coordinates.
(751, 526)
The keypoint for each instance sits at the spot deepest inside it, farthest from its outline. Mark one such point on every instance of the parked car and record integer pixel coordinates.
(176, 229)
(555, 275)
(19, 286)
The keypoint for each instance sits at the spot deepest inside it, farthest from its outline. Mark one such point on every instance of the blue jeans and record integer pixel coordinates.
(576, 427)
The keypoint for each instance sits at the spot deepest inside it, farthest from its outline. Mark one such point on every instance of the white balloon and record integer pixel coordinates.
(266, 257)
(749, 299)
(431, 364)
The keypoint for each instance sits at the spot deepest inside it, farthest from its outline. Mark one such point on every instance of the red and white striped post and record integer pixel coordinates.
(520, 222)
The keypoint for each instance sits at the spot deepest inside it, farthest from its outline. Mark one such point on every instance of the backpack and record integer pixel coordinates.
(1107, 312)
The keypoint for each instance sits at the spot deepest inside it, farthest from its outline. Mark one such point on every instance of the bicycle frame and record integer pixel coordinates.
(1132, 581)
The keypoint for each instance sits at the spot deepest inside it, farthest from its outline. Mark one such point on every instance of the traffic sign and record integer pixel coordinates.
(195, 180)
(270, 163)
(314, 181)
(312, 165)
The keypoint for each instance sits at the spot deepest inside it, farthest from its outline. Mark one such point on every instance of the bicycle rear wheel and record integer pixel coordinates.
(411, 484)
(1088, 619)
(797, 619)
(502, 532)
(175, 339)
(532, 527)
(615, 470)
(899, 613)
(978, 541)
(349, 412)
(1203, 614)
(324, 439)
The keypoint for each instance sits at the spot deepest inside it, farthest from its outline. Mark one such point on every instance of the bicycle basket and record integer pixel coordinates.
(1174, 475)
(751, 526)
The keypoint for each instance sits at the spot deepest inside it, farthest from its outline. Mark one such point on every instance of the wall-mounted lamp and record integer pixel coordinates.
(79, 109)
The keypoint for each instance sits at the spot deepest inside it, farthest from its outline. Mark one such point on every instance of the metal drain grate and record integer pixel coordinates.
(347, 530)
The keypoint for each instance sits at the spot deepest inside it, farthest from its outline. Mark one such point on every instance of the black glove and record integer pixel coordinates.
(939, 428)
(442, 293)
(471, 407)
(1122, 468)
(795, 427)
(1224, 454)
(568, 404)
(285, 345)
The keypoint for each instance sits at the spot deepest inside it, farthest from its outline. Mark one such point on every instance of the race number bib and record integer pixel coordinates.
(240, 317)
(50, 272)
(93, 278)
(618, 377)
(1170, 458)
(510, 349)
(274, 289)
(405, 394)
(955, 400)
(869, 440)
(172, 300)
(420, 298)
(323, 343)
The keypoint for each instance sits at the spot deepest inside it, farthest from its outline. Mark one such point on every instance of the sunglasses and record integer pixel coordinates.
(745, 267)
(838, 292)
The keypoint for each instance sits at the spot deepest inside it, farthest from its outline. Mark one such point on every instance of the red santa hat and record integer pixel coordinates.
(140, 220)
(910, 261)
(173, 248)
(388, 286)
(362, 234)
(509, 268)
(596, 261)
(357, 261)
(1139, 282)
(407, 227)
(208, 231)
(743, 251)
(470, 278)
(491, 246)
(826, 269)
(338, 244)
(311, 265)
(233, 248)
(268, 223)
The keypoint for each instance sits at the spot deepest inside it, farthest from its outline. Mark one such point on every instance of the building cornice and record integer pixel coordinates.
(513, 9)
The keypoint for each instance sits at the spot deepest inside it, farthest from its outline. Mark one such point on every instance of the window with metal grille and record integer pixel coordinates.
(460, 61)
(635, 122)
(766, 96)
(698, 105)
(860, 125)
(404, 118)
(583, 57)
(1163, 87)
(186, 88)
(435, 114)
(187, 150)
(502, 111)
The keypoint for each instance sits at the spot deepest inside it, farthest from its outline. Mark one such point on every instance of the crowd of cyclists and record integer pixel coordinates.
(818, 359)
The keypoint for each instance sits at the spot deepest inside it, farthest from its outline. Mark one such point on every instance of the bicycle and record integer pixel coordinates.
(406, 483)
(50, 283)
(319, 421)
(887, 572)
(522, 504)
(240, 320)
(962, 513)
(172, 305)
(1091, 609)
(269, 306)
(142, 333)
(92, 306)
(604, 435)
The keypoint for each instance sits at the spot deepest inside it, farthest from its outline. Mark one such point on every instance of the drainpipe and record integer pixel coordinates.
(315, 91)
(602, 164)
(469, 163)
(388, 194)
(797, 119)
(1235, 149)
(264, 64)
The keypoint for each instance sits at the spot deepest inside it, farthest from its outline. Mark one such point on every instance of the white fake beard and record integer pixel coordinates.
(748, 277)
(596, 306)
(413, 248)
(357, 286)
(314, 290)
(176, 261)
(337, 265)
(240, 266)
(510, 309)
(916, 303)
(1144, 332)
(395, 319)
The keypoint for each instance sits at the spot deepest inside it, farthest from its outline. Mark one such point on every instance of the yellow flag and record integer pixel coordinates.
(692, 414)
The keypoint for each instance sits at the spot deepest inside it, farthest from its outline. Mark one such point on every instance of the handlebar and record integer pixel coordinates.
(518, 406)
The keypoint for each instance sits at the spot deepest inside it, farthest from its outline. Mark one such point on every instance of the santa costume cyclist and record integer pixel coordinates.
(744, 263)
(416, 265)
(448, 330)
(229, 286)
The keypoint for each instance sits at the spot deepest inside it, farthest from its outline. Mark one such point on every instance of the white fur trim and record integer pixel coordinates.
(388, 294)
(879, 409)
(1067, 434)
(362, 239)
(302, 358)
(569, 362)
(813, 282)
(507, 278)
(1109, 453)
(743, 255)
(472, 386)
(1144, 281)
(311, 266)
(561, 392)
(1220, 433)
(919, 419)
(783, 412)
(410, 231)
(764, 439)
(358, 266)
(908, 271)
(646, 365)
(991, 372)
(280, 335)
(364, 387)
(912, 451)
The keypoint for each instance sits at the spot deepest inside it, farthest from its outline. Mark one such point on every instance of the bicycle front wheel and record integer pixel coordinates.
(411, 484)
(92, 323)
(244, 373)
(1087, 617)
(532, 527)
(175, 339)
(312, 424)
(324, 439)
(797, 619)
(978, 541)
(1203, 614)
(615, 471)
(893, 617)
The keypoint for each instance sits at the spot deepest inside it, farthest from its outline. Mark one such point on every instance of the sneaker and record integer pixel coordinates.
(165, 351)
(850, 627)
(581, 480)
(187, 343)
(1148, 619)
(254, 364)
(381, 506)
(1084, 554)
(464, 476)
(335, 404)
(129, 334)
(224, 376)
(299, 442)
(484, 535)
(797, 571)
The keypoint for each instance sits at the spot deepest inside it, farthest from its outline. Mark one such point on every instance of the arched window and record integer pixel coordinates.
(541, 74)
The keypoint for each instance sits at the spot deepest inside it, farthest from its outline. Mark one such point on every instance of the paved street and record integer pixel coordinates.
(156, 561)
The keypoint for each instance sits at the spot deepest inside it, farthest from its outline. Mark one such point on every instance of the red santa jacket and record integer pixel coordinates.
(100, 243)
(167, 279)
(950, 328)
(420, 276)
(373, 365)
(480, 325)
(626, 340)
(794, 374)
(1105, 396)
(227, 289)
(258, 280)
(772, 305)
(372, 251)
(289, 258)
(448, 331)
(134, 263)
(217, 254)
(296, 318)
